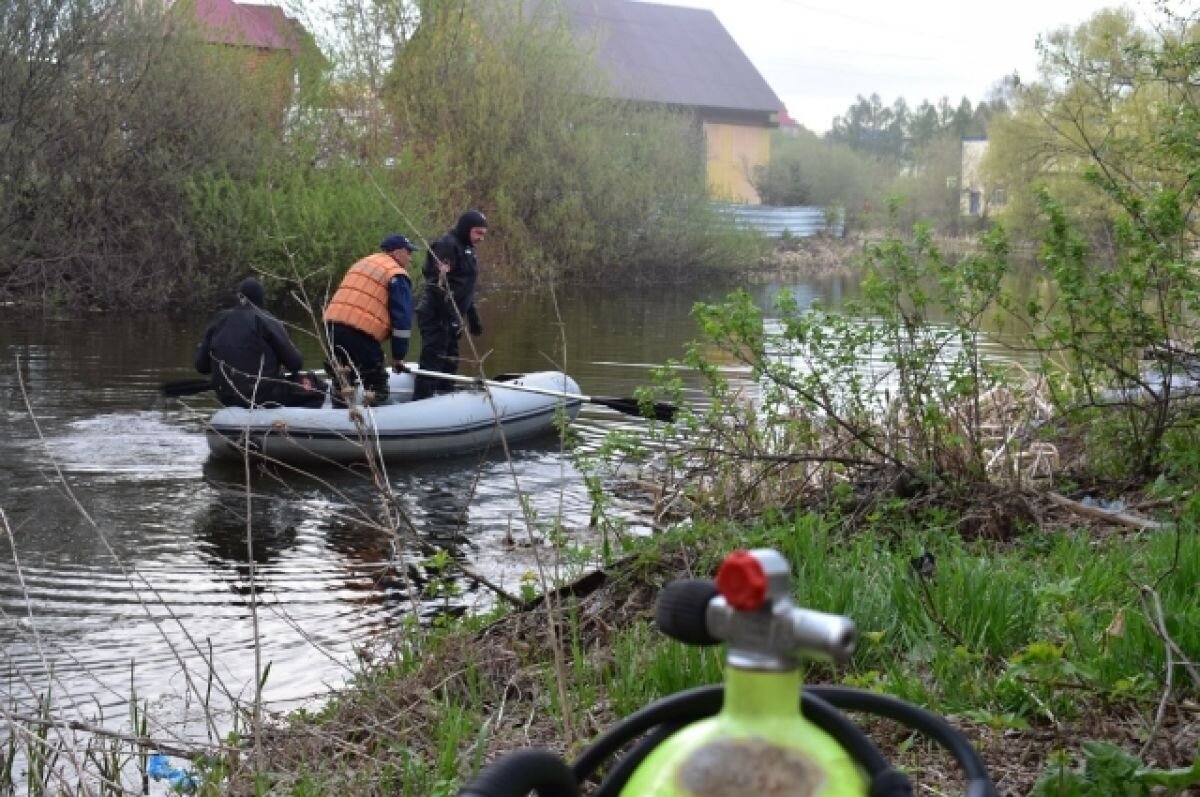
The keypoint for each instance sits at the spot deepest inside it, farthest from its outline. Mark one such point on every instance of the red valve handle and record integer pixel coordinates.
(742, 581)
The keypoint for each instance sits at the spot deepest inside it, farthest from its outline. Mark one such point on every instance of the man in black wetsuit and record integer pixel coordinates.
(246, 349)
(448, 300)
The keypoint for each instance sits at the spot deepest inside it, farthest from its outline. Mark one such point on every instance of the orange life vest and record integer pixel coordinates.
(361, 301)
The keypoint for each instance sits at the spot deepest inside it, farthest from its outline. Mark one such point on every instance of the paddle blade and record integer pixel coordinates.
(659, 410)
(185, 387)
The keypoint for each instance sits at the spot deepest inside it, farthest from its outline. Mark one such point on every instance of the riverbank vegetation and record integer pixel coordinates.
(1018, 548)
(143, 167)
(1017, 544)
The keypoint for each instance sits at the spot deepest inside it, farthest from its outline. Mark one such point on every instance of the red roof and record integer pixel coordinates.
(227, 22)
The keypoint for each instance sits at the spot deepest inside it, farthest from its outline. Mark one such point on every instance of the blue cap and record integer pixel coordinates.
(396, 241)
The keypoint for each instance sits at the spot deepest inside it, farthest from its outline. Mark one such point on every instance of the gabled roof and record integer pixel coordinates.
(670, 54)
(227, 22)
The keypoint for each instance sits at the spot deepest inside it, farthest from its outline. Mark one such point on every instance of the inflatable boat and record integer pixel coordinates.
(519, 406)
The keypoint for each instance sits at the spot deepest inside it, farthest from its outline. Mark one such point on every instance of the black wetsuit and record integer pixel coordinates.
(246, 349)
(439, 323)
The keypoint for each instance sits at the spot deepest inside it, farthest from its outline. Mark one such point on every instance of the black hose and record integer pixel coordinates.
(852, 739)
(979, 781)
(627, 764)
(679, 708)
(687, 707)
(518, 773)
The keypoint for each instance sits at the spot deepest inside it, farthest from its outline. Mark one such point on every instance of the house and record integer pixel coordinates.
(684, 58)
(974, 198)
(265, 41)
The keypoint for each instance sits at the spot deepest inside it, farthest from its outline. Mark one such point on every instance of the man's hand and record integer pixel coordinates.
(399, 367)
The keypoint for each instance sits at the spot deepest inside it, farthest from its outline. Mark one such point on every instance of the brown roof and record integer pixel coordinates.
(670, 54)
(227, 22)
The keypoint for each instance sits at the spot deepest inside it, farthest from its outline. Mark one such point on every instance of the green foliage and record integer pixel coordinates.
(1136, 290)
(296, 224)
(874, 151)
(108, 119)
(574, 183)
(143, 168)
(913, 420)
(885, 132)
(931, 187)
(1114, 102)
(1103, 320)
(807, 170)
(1109, 771)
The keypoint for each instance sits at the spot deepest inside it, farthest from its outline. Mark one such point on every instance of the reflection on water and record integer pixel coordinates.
(236, 529)
(130, 562)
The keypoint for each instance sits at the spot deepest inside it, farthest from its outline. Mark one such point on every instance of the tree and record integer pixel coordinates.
(507, 100)
(871, 128)
(930, 188)
(808, 170)
(108, 111)
(1094, 104)
(1117, 121)
(924, 125)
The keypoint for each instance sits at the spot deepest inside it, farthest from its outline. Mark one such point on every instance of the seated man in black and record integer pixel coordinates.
(246, 349)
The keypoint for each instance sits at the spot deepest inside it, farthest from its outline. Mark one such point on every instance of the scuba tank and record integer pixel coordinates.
(758, 737)
(745, 736)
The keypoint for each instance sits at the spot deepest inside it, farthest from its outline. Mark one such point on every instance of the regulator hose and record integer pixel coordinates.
(662, 717)
(928, 724)
(523, 771)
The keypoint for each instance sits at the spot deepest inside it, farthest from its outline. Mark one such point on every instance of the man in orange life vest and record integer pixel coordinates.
(373, 302)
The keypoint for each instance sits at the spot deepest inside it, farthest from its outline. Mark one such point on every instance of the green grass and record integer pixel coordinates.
(1046, 629)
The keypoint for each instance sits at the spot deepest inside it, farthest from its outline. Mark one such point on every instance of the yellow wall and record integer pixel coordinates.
(733, 152)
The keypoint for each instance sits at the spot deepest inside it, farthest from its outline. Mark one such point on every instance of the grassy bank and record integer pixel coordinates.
(1031, 646)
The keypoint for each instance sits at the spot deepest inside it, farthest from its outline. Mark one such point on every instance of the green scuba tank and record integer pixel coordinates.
(759, 744)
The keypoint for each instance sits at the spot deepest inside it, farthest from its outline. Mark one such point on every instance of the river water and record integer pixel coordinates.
(125, 566)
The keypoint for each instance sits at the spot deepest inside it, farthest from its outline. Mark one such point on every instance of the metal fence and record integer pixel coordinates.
(798, 222)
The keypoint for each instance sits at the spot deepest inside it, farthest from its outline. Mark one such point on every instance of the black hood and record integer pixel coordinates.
(252, 289)
(467, 222)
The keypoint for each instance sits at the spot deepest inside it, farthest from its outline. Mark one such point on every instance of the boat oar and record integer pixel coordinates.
(185, 387)
(659, 410)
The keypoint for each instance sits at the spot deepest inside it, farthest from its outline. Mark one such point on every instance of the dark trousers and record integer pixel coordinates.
(359, 356)
(300, 390)
(439, 352)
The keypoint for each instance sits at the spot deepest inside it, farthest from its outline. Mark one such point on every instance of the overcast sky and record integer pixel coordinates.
(819, 55)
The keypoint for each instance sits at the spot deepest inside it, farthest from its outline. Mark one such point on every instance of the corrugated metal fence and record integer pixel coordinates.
(799, 222)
